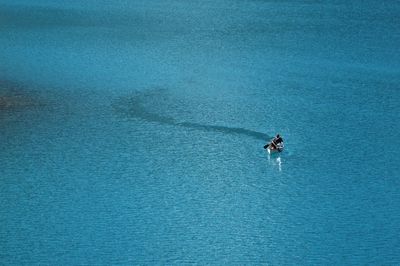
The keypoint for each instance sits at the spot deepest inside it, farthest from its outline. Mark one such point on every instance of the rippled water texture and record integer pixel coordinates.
(132, 132)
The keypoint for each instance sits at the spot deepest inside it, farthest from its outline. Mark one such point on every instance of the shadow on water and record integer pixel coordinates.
(135, 107)
(226, 130)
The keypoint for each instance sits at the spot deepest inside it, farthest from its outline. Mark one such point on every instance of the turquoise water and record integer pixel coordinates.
(132, 132)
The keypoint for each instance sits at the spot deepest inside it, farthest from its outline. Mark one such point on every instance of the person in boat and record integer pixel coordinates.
(276, 142)
(278, 139)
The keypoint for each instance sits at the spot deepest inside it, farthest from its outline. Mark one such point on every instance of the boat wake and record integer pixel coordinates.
(226, 130)
(135, 107)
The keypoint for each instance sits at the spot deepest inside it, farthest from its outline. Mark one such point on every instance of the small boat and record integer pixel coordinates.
(274, 148)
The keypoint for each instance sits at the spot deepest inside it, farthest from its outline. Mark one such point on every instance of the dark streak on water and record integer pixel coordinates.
(226, 130)
(135, 107)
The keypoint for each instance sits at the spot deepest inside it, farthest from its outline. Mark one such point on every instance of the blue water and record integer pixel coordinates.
(131, 132)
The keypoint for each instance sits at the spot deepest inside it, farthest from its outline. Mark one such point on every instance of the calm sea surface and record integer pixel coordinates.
(131, 132)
